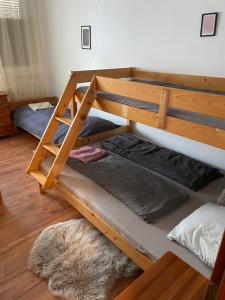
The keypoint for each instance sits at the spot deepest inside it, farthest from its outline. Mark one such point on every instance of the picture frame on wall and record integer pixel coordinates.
(208, 24)
(86, 37)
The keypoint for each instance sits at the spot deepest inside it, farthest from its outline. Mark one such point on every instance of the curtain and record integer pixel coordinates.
(22, 72)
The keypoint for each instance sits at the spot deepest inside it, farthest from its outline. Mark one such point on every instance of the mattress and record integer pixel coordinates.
(181, 114)
(150, 239)
(36, 122)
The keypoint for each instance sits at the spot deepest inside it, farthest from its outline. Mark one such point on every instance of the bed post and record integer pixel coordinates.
(130, 125)
(42, 192)
(73, 106)
(163, 106)
(132, 72)
(216, 287)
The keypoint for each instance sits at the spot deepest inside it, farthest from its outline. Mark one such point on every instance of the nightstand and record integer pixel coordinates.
(6, 126)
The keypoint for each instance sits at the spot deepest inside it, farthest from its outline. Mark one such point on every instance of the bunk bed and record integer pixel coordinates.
(142, 242)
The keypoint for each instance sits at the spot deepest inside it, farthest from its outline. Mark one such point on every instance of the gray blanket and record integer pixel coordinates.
(171, 164)
(147, 194)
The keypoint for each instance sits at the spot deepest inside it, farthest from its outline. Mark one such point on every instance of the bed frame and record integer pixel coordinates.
(108, 81)
(15, 104)
(204, 103)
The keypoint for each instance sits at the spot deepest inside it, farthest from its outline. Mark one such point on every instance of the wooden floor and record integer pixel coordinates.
(23, 214)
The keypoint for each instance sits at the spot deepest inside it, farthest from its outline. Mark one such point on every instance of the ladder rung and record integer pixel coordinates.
(39, 176)
(52, 148)
(66, 121)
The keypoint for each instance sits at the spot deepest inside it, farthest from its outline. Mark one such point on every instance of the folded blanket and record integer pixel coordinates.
(88, 154)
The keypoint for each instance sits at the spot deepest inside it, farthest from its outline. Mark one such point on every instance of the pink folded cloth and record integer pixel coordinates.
(88, 154)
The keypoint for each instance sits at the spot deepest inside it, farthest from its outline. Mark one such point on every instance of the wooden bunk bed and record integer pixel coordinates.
(108, 81)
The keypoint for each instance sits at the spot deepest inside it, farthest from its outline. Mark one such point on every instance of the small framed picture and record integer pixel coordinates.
(208, 26)
(86, 37)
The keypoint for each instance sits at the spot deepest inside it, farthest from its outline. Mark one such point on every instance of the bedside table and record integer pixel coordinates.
(6, 126)
(168, 278)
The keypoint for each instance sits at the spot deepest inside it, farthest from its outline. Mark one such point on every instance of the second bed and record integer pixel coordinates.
(150, 239)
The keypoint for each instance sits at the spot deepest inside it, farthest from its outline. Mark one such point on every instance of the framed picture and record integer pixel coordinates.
(208, 26)
(86, 37)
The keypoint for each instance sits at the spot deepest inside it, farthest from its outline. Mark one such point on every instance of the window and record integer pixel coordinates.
(13, 30)
(10, 9)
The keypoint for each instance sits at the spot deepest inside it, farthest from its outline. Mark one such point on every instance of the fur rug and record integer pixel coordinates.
(80, 263)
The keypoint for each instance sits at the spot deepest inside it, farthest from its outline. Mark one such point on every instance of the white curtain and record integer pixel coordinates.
(22, 71)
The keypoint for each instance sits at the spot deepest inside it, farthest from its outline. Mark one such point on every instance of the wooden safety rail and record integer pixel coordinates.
(209, 104)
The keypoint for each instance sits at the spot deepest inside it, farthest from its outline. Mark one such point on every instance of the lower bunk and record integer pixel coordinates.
(142, 242)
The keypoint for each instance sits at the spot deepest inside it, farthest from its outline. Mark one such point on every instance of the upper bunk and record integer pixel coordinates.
(189, 106)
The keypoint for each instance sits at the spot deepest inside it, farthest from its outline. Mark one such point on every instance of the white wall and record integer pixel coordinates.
(154, 34)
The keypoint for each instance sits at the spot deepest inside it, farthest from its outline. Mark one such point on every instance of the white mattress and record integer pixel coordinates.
(150, 239)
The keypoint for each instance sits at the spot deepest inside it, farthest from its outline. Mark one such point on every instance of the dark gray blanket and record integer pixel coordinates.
(176, 166)
(147, 194)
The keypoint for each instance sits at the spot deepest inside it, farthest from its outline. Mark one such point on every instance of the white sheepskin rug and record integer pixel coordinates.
(80, 263)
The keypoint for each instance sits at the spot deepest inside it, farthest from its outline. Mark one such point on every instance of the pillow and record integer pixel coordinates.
(176, 166)
(41, 105)
(221, 198)
(201, 232)
(94, 125)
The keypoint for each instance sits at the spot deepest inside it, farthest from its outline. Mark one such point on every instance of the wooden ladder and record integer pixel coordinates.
(61, 153)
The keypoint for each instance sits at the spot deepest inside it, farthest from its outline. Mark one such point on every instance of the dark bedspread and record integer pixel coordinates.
(176, 166)
(148, 195)
(35, 122)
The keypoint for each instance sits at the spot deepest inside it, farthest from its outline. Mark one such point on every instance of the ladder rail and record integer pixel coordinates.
(72, 135)
(40, 152)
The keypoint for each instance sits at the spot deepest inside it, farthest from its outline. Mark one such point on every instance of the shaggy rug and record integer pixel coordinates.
(80, 263)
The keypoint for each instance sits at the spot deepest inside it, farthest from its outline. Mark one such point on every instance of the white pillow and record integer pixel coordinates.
(202, 232)
(221, 198)
(41, 105)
